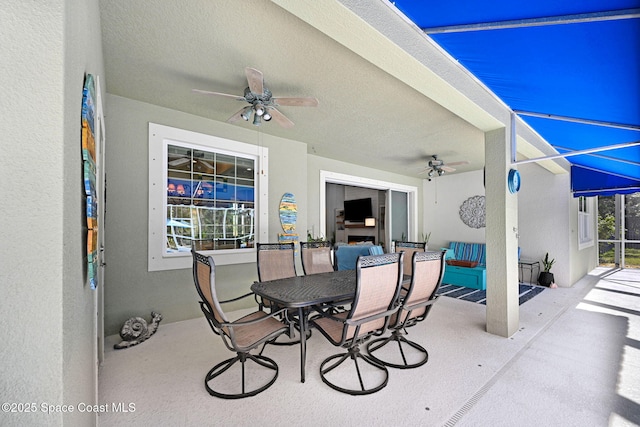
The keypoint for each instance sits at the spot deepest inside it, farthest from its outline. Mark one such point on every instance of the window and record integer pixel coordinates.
(585, 222)
(205, 192)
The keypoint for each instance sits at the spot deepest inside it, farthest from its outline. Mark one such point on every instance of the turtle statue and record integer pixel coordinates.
(136, 330)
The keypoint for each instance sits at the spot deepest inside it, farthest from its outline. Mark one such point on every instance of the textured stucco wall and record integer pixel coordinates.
(47, 320)
(31, 253)
(131, 290)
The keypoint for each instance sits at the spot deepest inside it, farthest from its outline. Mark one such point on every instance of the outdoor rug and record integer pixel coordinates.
(474, 295)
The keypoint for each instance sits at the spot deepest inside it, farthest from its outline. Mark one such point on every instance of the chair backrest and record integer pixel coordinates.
(275, 261)
(379, 278)
(316, 257)
(409, 248)
(204, 277)
(428, 269)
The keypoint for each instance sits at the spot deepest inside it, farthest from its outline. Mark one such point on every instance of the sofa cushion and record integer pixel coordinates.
(376, 250)
(347, 255)
(448, 253)
(469, 251)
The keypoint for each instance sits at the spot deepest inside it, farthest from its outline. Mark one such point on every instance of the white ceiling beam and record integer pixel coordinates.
(609, 15)
(578, 152)
(576, 120)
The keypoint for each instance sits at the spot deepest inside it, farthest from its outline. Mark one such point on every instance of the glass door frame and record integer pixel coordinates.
(620, 241)
(356, 181)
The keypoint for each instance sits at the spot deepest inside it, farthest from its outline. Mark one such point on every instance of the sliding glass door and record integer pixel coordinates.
(399, 218)
(619, 230)
(395, 213)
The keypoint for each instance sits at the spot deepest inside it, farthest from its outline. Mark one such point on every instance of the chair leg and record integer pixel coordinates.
(222, 367)
(355, 355)
(398, 337)
(293, 338)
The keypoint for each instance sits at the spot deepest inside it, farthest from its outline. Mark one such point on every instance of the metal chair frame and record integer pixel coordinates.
(409, 248)
(232, 333)
(415, 306)
(309, 249)
(289, 270)
(356, 329)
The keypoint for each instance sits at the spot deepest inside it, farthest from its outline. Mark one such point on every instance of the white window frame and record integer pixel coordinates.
(159, 137)
(586, 222)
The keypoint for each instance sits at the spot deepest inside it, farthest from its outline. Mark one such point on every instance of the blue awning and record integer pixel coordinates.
(571, 70)
(588, 182)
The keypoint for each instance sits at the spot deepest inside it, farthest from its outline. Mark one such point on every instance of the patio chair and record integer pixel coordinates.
(240, 336)
(276, 261)
(378, 281)
(409, 248)
(415, 303)
(316, 257)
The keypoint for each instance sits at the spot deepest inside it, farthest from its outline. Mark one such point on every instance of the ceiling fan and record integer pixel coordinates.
(262, 104)
(437, 167)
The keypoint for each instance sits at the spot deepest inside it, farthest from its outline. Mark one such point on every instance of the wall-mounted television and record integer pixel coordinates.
(357, 210)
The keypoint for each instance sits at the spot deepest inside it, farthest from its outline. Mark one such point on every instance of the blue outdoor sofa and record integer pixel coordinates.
(470, 277)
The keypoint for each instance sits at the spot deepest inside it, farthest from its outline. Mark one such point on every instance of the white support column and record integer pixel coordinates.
(501, 237)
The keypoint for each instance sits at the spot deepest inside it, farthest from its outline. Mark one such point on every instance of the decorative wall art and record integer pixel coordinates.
(472, 212)
(89, 177)
(288, 212)
(288, 217)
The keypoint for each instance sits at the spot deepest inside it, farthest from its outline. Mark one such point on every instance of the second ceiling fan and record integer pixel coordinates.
(262, 103)
(437, 167)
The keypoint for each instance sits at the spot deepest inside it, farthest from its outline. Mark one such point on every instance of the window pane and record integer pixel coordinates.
(208, 204)
(632, 216)
(632, 255)
(607, 254)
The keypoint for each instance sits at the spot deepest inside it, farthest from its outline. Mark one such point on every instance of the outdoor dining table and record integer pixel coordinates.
(303, 292)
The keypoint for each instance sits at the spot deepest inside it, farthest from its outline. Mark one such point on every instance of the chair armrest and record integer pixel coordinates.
(325, 311)
(358, 322)
(237, 298)
(420, 304)
(251, 322)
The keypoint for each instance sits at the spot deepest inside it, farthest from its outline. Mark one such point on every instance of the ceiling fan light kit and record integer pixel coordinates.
(262, 103)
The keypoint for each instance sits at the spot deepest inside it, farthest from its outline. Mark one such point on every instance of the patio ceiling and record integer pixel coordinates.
(570, 70)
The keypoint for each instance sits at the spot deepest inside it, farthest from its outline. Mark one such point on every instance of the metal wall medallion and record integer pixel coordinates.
(472, 212)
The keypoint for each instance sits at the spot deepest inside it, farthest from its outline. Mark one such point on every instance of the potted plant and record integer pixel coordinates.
(425, 239)
(312, 238)
(546, 276)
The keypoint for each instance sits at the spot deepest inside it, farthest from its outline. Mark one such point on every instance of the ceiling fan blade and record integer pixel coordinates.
(236, 116)
(463, 162)
(280, 118)
(255, 80)
(206, 92)
(296, 102)
(179, 161)
(447, 168)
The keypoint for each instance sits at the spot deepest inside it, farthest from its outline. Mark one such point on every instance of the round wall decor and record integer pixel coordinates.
(513, 181)
(472, 212)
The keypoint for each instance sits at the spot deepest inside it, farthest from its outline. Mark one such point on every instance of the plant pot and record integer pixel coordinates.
(546, 278)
